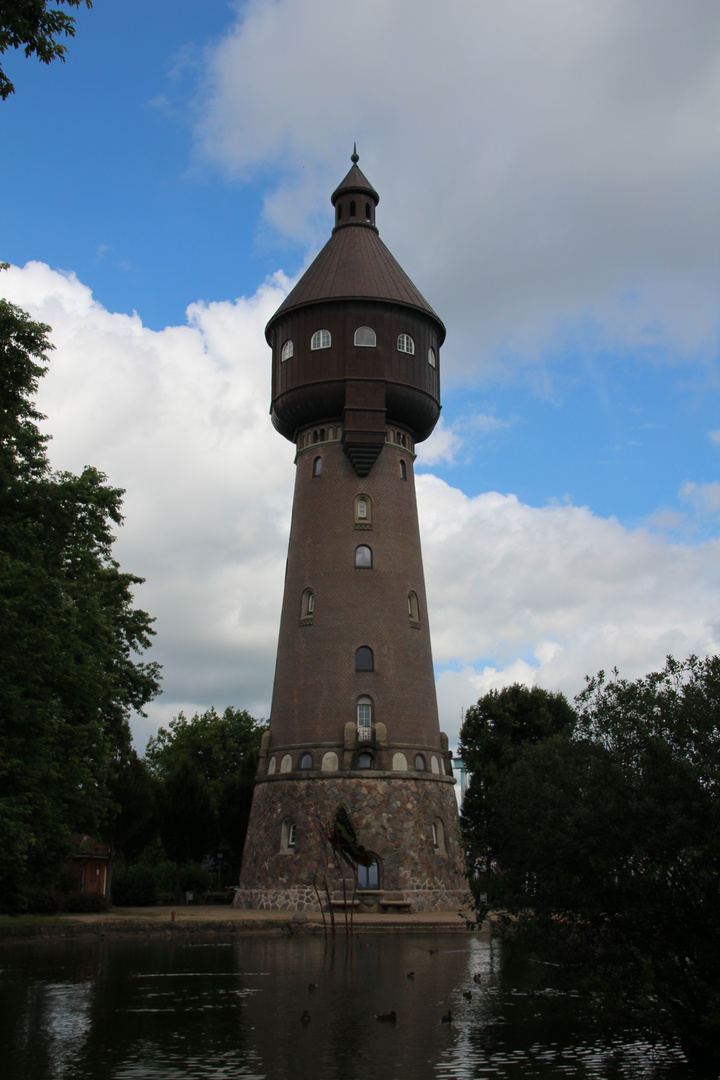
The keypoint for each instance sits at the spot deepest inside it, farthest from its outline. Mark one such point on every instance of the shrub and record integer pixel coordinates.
(134, 886)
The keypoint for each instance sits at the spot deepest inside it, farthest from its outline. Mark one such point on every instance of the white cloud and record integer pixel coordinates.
(549, 171)
(179, 418)
(548, 595)
(442, 446)
(704, 498)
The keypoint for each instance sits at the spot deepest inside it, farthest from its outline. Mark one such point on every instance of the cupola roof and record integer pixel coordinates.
(355, 182)
(355, 264)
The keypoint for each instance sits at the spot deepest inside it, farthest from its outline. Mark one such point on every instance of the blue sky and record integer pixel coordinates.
(548, 177)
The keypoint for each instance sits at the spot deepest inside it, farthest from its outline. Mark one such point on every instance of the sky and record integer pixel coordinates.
(548, 173)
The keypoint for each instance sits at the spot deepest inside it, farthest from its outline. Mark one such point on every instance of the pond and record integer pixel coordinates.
(220, 1008)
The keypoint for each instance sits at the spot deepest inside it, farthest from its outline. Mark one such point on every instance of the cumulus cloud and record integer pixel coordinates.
(549, 594)
(704, 498)
(442, 446)
(550, 171)
(180, 419)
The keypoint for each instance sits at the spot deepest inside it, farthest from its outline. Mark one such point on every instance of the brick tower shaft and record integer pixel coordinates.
(354, 725)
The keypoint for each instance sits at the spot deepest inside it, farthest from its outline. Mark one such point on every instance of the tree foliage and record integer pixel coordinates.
(215, 752)
(70, 637)
(35, 27)
(188, 823)
(132, 821)
(495, 733)
(606, 848)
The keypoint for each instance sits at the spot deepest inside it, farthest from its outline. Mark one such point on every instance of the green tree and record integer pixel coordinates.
(607, 849)
(495, 733)
(223, 748)
(188, 827)
(32, 25)
(70, 637)
(133, 819)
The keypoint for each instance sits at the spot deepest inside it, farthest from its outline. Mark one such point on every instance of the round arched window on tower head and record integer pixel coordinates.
(320, 340)
(420, 763)
(306, 761)
(431, 357)
(365, 337)
(406, 344)
(287, 350)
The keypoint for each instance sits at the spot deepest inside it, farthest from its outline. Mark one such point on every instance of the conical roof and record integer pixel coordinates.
(355, 265)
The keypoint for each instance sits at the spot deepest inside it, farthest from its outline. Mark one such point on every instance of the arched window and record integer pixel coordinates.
(420, 763)
(320, 340)
(368, 214)
(287, 835)
(352, 208)
(364, 660)
(438, 835)
(403, 470)
(399, 762)
(365, 337)
(369, 876)
(406, 344)
(413, 609)
(431, 357)
(286, 763)
(339, 211)
(329, 762)
(365, 761)
(307, 606)
(287, 350)
(306, 761)
(364, 715)
(317, 466)
(363, 557)
(363, 510)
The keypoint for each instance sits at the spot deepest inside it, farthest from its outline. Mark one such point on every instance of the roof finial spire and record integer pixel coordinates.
(354, 157)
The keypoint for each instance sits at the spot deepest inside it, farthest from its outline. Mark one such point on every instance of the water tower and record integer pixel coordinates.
(354, 720)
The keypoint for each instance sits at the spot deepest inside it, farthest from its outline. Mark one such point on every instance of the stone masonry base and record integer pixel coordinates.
(409, 825)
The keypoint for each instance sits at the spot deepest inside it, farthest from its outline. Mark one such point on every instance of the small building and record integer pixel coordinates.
(91, 862)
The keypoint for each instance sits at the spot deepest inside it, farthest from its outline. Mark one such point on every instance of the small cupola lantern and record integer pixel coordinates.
(355, 199)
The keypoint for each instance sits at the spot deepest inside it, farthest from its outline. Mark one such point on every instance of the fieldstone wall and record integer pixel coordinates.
(393, 818)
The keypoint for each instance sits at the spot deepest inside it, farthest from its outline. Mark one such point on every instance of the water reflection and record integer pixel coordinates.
(131, 1010)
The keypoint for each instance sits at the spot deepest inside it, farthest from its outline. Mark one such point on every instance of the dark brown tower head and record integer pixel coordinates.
(354, 341)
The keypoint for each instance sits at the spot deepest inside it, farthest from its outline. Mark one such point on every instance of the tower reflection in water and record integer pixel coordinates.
(222, 1009)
